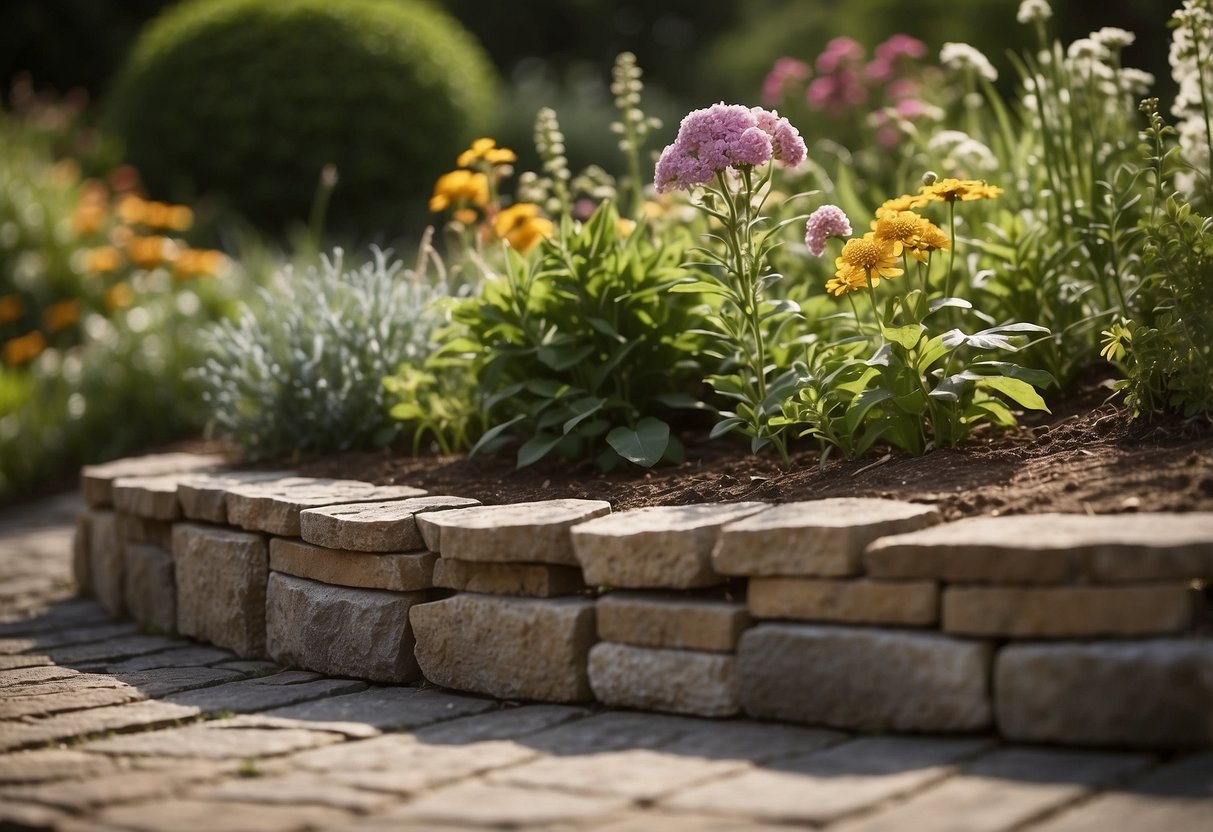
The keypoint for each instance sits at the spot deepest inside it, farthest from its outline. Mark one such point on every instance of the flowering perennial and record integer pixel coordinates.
(827, 221)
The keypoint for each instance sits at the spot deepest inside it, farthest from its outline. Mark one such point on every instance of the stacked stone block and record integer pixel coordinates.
(338, 599)
(516, 629)
(669, 644)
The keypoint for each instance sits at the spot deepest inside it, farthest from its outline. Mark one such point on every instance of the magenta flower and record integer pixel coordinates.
(726, 136)
(827, 221)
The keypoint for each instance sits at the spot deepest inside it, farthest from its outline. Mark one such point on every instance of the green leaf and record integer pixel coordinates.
(643, 445)
(536, 448)
(562, 358)
(700, 287)
(907, 336)
(724, 426)
(493, 432)
(1018, 391)
(584, 408)
(864, 402)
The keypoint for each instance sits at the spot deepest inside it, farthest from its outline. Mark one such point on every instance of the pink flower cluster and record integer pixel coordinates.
(726, 136)
(827, 221)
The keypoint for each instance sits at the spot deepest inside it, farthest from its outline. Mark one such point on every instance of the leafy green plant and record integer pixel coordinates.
(301, 369)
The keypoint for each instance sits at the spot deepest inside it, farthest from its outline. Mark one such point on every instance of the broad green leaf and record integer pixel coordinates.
(907, 336)
(864, 402)
(644, 445)
(493, 432)
(1021, 392)
(536, 448)
(584, 409)
(724, 426)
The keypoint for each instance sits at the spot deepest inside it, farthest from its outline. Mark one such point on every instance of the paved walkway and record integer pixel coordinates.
(104, 727)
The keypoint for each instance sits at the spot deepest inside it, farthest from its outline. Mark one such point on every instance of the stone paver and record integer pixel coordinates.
(341, 630)
(535, 532)
(656, 547)
(513, 648)
(374, 527)
(399, 572)
(865, 679)
(221, 577)
(846, 601)
(96, 481)
(1068, 611)
(817, 538)
(204, 496)
(676, 681)
(274, 506)
(1052, 548)
(529, 580)
(653, 620)
(319, 753)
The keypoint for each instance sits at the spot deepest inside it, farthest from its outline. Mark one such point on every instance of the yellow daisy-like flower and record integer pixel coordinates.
(865, 259)
(459, 187)
(932, 238)
(488, 150)
(521, 226)
(966, 190)
(902, 226)
(905, 202)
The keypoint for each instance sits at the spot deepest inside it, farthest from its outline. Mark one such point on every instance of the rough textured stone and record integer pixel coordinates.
(1074, 611)
(93, 721)
(105, 561)
(96, 481)
(507, 647)
(532, 580)
(1052, 548)
(678, 681)
(374, 527)
(132, 529)
(215, 740)
(659, 546)
(819, 538)
(850, 677)
(221, 577)
(151, 498)
(387, 709)
(535, 532)
(848, 601)
(399, 572)
(1152, 693)
(149, 589)
(135, 783)
(648, 620)
(274, 506)
(277, 691)
(204, 496)
(81, 571)
(823, 786)
(339, 630)
(1003, 790)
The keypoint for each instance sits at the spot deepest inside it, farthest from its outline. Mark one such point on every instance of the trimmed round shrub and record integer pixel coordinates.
(248, 100)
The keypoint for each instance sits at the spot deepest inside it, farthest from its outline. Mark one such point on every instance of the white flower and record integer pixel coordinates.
(1087, 49)
(962, 57)
(1031, 11)
(1136, 82)
(1113, 39)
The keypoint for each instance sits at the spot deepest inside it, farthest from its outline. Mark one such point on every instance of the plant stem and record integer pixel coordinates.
(952, 251)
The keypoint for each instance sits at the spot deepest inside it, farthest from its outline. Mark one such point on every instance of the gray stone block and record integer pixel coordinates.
(105, 561)
(677, 681)
(149, 587)
(536, 532)
(221, 577)
(847, 601)
(96, 481)
(671, 621)
(373, 527)
(274, 506)
(398, 572)
(1068, 611)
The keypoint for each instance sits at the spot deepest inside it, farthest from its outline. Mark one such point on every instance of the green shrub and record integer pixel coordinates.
(250, 99)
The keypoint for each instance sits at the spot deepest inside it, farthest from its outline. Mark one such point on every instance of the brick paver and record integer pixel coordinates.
(103, 727)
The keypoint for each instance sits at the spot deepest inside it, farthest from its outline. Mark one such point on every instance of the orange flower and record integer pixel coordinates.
(59, 316)
(521, 226)
(460, 187)
(149, 252)
(88, 218)
(11, 308)
(194, 262)
(25, 349)
(102, 260)
(487, 150)
(119, 296)
(132, 209)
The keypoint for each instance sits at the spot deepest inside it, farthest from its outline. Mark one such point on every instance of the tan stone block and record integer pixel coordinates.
(820, 538)
(341, 631)
(80, 555)
(131, 529)
(274, 506)
(221, 577)
(656, 547)
(151, 498)
(511, 648)
(1067, 611)
(105, 561)
(865, 679)
(531, 580)
(148, 586)
(399, 572)
(677, 681)
(856, 601)
(536, 532)
(96, 481)
(671, 621)
(1051, 548)
(203, 496)
(374, 527)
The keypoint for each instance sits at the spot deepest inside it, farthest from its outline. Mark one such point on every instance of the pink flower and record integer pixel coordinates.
(785, 76)
(901, 46)
(837, 52)
(827, 221)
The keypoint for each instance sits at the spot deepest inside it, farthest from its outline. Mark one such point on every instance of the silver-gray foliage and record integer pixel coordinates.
(301, 368)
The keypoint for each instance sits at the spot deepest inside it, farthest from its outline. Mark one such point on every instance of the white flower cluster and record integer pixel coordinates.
(962, 155)
(1192, 69)
(961, 57)
(1033, 11)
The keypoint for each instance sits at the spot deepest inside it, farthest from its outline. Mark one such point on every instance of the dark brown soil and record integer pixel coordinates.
(1089, 456)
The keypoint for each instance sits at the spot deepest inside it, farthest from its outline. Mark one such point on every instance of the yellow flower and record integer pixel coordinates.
(488, 150)
(102, 260)
(149, 252)
(624, 227)
(950, 190)
(865, 259)
(901, 226)
(119, 296)
(467, 216)
(905, 202)
(88, 218)
(459, 187)
(59, 316)
(131, 209)
(521, 226)
(25, 349)
(11, 308)
(196, 262)
(932, 238)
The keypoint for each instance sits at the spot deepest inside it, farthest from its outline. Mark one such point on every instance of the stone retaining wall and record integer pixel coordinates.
(852, 613)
